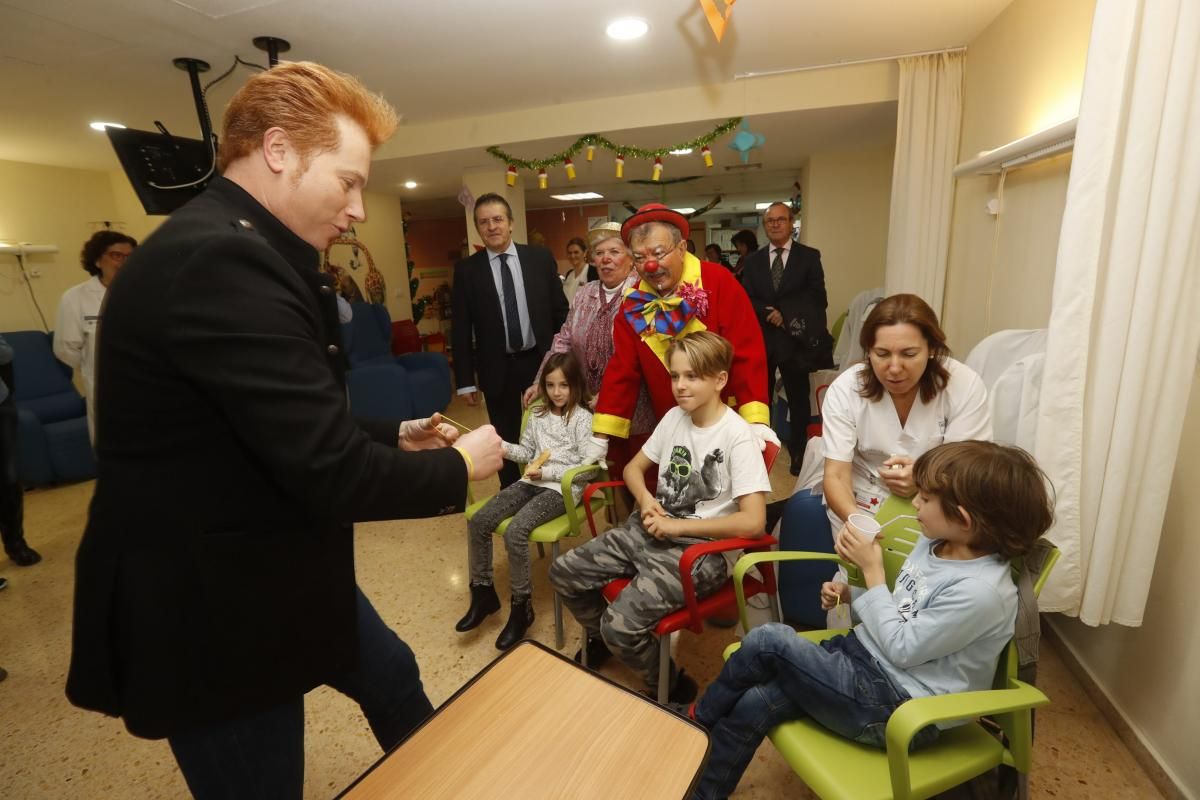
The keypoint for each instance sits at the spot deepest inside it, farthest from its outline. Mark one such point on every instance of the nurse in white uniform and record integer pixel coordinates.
(79, 309)
(907, 397)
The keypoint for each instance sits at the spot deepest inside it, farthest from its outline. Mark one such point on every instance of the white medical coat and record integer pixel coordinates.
(867, 433)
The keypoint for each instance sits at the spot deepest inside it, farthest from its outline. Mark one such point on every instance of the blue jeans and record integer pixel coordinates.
(261, 755)
(778, 676)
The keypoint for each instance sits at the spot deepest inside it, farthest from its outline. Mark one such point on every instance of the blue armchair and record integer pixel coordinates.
(382, 384)
(52, 434)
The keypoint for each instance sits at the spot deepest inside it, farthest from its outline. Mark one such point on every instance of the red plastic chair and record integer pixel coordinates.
(695, 610)
(814, 428)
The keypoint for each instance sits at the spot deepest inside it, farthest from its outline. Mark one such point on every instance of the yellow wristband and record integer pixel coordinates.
(470, 464)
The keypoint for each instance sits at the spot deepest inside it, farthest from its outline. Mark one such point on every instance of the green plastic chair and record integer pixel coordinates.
(838, 324)
(567, 524)
(834, 767)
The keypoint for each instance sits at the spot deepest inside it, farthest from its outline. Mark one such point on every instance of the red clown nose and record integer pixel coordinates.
(651, 267)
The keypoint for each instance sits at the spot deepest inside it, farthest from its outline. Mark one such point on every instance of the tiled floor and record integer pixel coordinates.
(414, 572)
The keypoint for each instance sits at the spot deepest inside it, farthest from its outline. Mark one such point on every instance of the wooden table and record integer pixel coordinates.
(534, 724)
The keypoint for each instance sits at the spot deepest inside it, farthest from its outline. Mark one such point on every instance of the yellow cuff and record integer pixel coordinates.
(755, 411)
(611, 425)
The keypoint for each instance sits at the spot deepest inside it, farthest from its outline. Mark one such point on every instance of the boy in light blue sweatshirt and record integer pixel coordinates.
(940, 630)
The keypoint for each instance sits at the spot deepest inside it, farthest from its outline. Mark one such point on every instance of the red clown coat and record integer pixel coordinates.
(639, 358)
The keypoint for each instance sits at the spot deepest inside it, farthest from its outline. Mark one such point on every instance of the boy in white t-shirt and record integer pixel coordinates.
(712, 484)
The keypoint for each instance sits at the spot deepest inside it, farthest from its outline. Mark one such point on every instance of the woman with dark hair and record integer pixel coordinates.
(906, 397)
(745, 242)
(580, 272)
(714, 253)
(102, 257)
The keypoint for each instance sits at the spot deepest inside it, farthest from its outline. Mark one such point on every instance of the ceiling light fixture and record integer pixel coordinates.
(685, 151)
(764, 206)
(410, 184)
(627, 28)
(684, 210)
(100, 126)
(578, 196)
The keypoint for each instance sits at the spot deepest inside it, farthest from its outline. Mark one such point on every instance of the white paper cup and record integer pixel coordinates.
(864, 525)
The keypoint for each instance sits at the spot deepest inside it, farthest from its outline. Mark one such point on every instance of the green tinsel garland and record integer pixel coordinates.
(621, 150)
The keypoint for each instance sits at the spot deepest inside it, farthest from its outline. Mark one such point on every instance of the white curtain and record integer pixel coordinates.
(927, 128)
(1125, 323)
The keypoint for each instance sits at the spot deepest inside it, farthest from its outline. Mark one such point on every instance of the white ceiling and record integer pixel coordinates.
(64, 63)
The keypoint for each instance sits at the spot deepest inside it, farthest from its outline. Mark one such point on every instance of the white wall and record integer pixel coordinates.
(847, 195)
(47, 205)
(1024, 73)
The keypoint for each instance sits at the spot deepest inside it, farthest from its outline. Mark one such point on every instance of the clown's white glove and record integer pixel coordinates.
(764, 434)
(595, 450)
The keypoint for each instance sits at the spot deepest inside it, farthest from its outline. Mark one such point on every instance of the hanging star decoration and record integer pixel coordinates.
(746, 140)
(716, 20)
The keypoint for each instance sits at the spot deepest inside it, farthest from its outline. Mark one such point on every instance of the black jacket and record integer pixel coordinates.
(477, 314)
(804, 338)
(216, 573)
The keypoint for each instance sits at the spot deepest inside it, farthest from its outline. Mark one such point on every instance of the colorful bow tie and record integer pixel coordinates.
(667, 315)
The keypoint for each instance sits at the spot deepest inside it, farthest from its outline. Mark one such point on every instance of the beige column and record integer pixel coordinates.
(492, 179)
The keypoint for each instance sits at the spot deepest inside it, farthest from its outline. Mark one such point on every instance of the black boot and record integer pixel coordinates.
(520, 617)
(597, 652)
(484, 603)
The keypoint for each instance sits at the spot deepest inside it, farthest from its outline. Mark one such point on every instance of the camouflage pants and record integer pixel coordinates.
(627, 626)
(529, 506)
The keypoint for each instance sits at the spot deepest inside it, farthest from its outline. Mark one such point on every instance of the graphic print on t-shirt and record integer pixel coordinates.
(681, 486)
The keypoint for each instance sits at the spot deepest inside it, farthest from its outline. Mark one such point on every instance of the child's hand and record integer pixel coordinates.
(650, 507)
(534, 474)
(663, 527)
(831, 591)
(866, 554)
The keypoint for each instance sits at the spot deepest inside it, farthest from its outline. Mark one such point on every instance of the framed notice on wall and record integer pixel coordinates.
(594, 221)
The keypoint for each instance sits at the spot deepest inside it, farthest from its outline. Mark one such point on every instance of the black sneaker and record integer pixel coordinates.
(3, 583)
(23, 555)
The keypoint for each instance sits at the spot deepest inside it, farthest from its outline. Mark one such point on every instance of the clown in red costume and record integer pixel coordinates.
(678, 294)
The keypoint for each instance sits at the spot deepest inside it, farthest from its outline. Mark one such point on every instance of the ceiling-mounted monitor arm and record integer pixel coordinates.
(274, 46)
(193, 67)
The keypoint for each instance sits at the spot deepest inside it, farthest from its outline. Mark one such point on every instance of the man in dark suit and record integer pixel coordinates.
(508, 304)
(786, 286)
(215, 580)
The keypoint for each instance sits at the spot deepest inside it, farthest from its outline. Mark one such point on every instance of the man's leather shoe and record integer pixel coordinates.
(484, 603)
(23, 555)
(597, 652)
(520, 617)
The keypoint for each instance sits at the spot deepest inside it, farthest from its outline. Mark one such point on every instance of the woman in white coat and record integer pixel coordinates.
(79, 309)
(907, 396)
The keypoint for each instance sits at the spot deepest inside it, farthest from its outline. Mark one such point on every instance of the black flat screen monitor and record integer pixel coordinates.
(155, 160)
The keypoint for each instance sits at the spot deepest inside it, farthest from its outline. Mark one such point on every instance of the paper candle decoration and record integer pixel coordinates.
(620, 166)
(510, 177)
(658, 168)
(543, 178)
(570, 165)
(706, 151)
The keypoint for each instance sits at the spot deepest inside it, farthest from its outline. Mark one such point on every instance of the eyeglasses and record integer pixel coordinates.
(117, 255)
(659, 254)
(777, 221)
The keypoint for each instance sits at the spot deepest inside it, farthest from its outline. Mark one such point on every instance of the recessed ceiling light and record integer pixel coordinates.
(627, 28)
(100, 126)
(410, 184)
(764, 206)
(684, 210)
(686, 151)
(578, 196)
